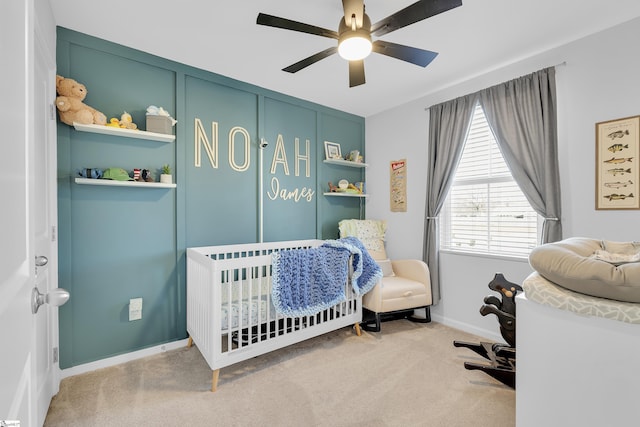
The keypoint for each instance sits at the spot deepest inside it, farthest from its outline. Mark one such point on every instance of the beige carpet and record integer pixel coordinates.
(408, 375)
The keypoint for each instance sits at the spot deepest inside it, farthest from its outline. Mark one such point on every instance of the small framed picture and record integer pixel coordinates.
(332, 150)
(617, 171)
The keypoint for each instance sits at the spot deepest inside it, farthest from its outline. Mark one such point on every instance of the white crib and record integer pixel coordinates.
(230, 316)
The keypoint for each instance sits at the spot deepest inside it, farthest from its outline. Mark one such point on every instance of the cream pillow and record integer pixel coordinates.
(370, 232)
(386, 267)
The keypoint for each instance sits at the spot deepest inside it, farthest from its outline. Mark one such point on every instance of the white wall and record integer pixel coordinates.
(597, 81)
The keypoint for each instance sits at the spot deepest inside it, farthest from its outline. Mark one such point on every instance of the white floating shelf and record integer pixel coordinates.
(346, 194)
(128, 133)
(346, 163)
(113, 183)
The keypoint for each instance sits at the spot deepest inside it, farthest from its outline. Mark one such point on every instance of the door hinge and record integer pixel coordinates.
(53, 233)
(55, 354)
(52, 112)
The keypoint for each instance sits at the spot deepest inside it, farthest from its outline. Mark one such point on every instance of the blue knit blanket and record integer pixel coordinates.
(307, 281)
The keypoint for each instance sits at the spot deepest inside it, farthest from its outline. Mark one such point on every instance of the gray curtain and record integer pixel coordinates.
(448, 126)
(522, 116)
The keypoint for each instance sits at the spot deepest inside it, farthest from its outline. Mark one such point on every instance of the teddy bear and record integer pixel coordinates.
(70, 106)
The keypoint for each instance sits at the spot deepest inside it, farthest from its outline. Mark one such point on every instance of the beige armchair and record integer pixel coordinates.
(405, 285)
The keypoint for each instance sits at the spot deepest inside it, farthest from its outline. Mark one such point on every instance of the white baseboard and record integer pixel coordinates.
(466, 327)
(122, 358)
(127, 357)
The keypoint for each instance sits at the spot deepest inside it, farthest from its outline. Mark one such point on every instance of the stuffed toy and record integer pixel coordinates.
(70, 106)
(113, 122)
(125, 122)
(90, 173)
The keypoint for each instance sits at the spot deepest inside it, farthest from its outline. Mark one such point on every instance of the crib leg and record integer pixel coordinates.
(214, 380)
(190, 342)
(358, 330)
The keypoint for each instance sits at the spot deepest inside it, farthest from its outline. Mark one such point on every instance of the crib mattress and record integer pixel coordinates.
(543, 291)
(259, 309)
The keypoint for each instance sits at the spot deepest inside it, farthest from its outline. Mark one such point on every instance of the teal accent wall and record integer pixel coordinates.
(118, 243)
(221, 203)
(342, 129)
(288, 215)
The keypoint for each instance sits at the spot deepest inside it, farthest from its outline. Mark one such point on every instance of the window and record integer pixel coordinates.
(485, 211)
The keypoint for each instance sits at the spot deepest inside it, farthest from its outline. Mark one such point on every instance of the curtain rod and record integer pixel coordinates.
(557, 65)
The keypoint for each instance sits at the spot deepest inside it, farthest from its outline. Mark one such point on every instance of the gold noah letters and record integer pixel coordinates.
(239, 141)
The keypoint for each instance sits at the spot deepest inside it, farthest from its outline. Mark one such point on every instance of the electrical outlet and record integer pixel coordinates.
(135, 309)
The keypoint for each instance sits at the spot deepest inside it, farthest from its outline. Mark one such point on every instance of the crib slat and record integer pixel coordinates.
(229, 307)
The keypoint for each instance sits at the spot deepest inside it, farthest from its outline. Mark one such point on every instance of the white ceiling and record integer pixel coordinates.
(222, 37)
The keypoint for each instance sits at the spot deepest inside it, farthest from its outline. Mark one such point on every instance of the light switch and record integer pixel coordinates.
(135, 309)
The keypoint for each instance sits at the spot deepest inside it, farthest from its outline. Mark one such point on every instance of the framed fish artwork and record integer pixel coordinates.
(617, 168)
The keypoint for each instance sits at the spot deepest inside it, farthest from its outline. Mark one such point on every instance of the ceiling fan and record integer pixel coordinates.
(355, 31)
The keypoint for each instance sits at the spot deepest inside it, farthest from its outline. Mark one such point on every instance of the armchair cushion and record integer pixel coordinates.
(395, 294)
(409, 288)
(386, 267)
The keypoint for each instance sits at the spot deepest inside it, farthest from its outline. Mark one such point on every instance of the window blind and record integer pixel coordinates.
(485, 211)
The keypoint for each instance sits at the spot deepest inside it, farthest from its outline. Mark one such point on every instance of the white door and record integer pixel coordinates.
(42, 211)
(27, 374)
(17, 274)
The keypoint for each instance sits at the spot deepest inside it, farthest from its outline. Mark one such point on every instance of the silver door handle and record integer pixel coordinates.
(56, 297)
(41, 260)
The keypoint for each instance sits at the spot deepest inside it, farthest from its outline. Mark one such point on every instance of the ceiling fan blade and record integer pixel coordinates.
(353, 8)
(410, 54)
(288, 24)
(294, 68)
(418, 11)
(356, 73)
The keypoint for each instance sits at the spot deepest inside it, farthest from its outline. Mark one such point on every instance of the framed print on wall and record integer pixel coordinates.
(617, 169)
(398, 185)
(332, 150)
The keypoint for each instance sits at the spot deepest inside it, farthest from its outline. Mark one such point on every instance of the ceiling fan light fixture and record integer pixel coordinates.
(355, 46)
(354, 43)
